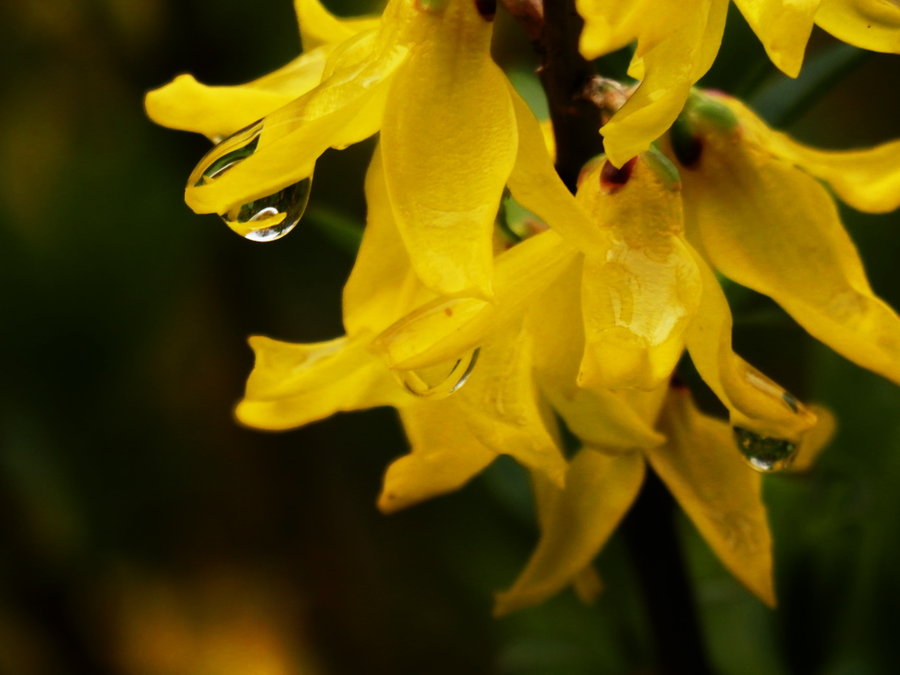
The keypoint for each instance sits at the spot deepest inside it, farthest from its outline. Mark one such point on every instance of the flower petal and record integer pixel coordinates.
(869, 24)
(599, 418)
(575, 524)
(610, 26)
(217, 112)
(866, 179)
(295, 384)
(704, 471)
(445, 455)
(814, 441)
(773, 228)
(443, 329)
(675, 48)
(449, 143)
(754, 402)
(535, 185)
(293, 137)
(639, 295)
(382, 286)
(783, 28)
(319, 26)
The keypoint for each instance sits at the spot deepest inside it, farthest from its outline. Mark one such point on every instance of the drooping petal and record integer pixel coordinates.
(869, 24)
(443, 329)
(676, 47)
(535, 185)
(449, 143)
(754, 402)
(217, 112)
(382, 286)
(775, 229)
(579, 519)
(501, 406)
(319, 26)
(295, 384)
(866, 179)
(783, 28)
(599, 418)
(290, 139)
(814, 441)
(445, 455)
(638, 296)
(610, 26)
(722, 495)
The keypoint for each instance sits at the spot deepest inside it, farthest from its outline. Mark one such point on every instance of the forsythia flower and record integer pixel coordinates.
(677, 43)
(424, 77)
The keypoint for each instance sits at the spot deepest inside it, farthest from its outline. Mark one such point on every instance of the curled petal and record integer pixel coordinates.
(869, 24)
(783, 28)
(451, 101)
(679, 46)
(773, 228)
(753, 400)
(443, 329)
(575, 524)
(866, 179)
(292, 138)
(721, 495)
(217, 112)
(319, 26)
(295, 384)
(445, 455)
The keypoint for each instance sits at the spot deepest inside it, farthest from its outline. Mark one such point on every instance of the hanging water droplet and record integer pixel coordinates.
(764, 453)
(270, 218)
(441, 380)
(224, 155)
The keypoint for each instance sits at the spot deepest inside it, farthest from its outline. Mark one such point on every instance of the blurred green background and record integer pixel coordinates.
(142, 531)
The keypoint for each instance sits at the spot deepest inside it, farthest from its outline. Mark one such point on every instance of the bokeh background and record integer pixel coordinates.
(142, 531)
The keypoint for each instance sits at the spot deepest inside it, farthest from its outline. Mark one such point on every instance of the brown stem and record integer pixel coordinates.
(553, 28)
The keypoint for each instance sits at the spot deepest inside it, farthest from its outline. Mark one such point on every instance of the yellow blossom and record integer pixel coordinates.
(451, 131)
(677, 43)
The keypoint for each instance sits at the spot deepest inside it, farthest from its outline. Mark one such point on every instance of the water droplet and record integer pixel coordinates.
(441, 380)
(224, 155)
(270, 218)
(764, 453)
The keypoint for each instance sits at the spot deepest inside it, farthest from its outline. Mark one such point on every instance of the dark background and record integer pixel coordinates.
(142, 531)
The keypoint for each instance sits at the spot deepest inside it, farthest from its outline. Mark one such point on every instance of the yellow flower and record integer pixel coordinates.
(451, 133)
(754, 208)
(677, 43)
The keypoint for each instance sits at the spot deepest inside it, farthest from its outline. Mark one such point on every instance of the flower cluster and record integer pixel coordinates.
(489, 344)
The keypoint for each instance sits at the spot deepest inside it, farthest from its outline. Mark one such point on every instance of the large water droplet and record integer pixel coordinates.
(764, 453)
(270, 218)
(441, 380)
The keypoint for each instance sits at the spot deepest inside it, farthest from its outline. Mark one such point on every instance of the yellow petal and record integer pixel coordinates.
(866, 179)
(783, 28)
(773, 228)
(290, 139)
(869, 24)
(443, 329)
(610, 26)
(754, 402)
(535, 185)
(446, 158)
(814, 441)
(295, 384)
(319, 26)
(598, 417)
(704, 471)
(445, 456)
(501, 407)
(382, 286)
(638, 296)
(671, 64)
(575, 525)
(217, 112)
